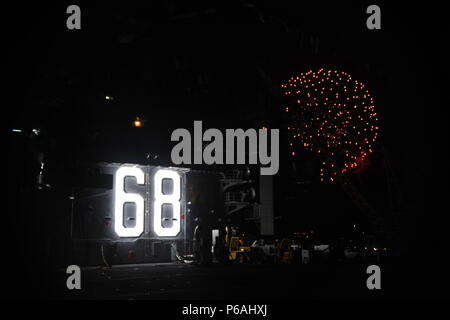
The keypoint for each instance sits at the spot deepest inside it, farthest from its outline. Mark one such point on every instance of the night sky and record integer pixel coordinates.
(172, 63)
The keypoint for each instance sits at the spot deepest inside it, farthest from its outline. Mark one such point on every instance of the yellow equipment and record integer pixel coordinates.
(238, 251)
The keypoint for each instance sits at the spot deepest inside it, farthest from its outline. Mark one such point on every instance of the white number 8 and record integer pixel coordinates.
(172, 199)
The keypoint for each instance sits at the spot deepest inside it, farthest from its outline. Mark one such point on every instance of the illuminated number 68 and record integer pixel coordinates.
(122, 197)
(171, 199)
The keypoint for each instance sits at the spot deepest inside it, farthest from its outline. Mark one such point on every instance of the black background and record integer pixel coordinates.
(171, 63)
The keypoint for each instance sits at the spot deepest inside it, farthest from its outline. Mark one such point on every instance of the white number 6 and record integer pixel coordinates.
(122, 197)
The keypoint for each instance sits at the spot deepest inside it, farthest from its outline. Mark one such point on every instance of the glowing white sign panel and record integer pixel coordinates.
(170, 199)
(122, 197)
(160, 199)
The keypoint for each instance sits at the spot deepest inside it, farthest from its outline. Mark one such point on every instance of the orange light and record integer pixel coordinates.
(137, 123)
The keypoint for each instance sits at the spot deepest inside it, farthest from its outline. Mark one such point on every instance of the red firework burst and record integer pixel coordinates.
(332, 115)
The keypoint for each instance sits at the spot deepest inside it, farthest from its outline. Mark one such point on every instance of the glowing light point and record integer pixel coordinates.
(137, 122)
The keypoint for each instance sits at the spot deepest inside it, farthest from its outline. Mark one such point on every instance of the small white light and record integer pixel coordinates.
(17, 130)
